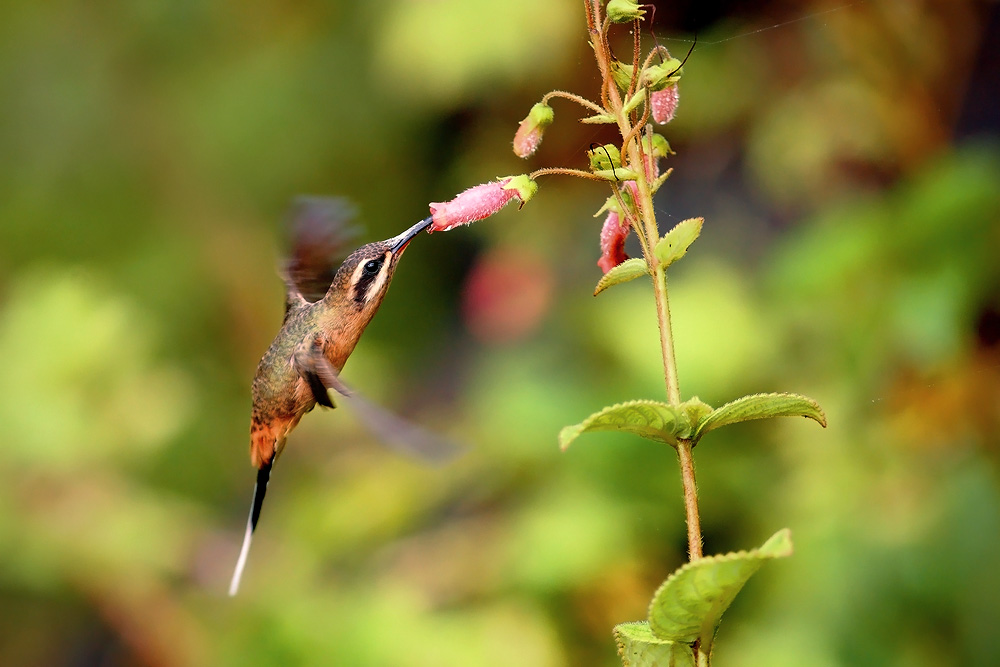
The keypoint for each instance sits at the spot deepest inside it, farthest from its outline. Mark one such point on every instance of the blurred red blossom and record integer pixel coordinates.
(507, 294)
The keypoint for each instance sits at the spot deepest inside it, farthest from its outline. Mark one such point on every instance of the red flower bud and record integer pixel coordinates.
(613, 235)
(480, 201)
(664, 103)
(529, 132)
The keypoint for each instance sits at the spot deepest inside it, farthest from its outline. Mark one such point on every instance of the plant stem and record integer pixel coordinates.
(612, 100)
(587, 104)
(648, 215)
(690, 499)
(684, 456)
(666, 334)
(563, 171)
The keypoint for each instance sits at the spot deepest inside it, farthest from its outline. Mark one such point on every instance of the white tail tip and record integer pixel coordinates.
(234, 585)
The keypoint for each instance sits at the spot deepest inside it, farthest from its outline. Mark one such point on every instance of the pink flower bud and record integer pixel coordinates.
(613, 235)
(664, 103)
(529, 132)
(480, 201)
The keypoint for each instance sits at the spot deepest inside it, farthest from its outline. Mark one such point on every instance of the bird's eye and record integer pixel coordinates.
(372, 266)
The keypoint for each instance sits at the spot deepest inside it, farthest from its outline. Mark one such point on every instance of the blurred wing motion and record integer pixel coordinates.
(322, 236)
(389, 428)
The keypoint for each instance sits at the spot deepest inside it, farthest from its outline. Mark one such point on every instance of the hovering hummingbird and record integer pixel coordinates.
(326, 311)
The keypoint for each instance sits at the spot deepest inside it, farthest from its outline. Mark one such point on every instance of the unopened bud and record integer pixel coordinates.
(605, 157)
(480, 201)
(656, 145)
(658, 77)
(623, 11)
(529, 132)
(664, 104)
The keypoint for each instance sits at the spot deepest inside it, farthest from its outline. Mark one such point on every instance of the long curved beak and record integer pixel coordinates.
(397, 243)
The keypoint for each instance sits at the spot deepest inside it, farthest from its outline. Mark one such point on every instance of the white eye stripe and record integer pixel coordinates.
(356, 276)
(364, 286)
(379, 282)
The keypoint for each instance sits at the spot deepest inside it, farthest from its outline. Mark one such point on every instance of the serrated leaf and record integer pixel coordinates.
(628, 270)
(690, 603)
(676, 242)
(639, 647)
(761, 406)
(650, 419)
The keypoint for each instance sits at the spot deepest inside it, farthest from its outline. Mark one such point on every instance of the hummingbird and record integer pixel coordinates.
(326, 311)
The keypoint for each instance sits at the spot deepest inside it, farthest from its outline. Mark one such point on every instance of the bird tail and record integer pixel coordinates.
(259, 489)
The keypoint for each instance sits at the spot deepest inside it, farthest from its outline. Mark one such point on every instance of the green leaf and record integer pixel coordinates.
(639, 647)
(659, 181)
(628, 270)
(761, 406)
(599, 119)
(696, 411)
(617, 174)
(636, 100)
(649, 419)
(690, 603)
(675, 243)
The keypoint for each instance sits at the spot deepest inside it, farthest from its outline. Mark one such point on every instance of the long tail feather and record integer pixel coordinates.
(259, 490)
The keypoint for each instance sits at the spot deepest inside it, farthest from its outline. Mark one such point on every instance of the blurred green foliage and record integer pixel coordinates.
(849, 253)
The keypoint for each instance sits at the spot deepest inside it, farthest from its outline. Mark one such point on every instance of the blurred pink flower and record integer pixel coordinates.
(664, 103)
(507, 294)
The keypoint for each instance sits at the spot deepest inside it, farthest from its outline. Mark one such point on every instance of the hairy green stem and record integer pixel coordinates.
(613, 101)
(666, 333)
(582, 101)
(690, 499)
(564, 171)
(648, 215)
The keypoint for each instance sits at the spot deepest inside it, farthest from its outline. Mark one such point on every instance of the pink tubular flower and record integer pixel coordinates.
(613, 235)
(615, 231)
(664, 103)
(480, 201)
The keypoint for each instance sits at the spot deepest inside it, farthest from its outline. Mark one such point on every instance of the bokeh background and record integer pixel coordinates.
(846, 163)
